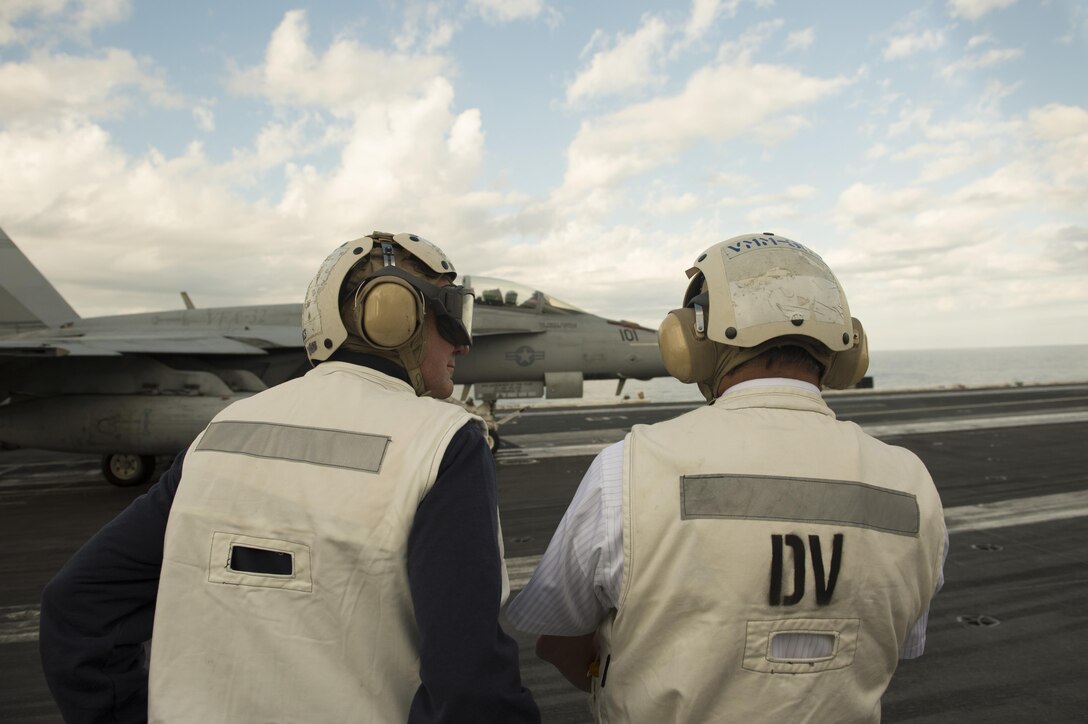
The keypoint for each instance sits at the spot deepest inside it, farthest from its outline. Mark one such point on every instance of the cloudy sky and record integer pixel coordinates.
(935, 153)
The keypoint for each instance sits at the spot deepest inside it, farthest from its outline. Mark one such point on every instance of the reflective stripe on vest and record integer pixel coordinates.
(335, 448)
(760, 497)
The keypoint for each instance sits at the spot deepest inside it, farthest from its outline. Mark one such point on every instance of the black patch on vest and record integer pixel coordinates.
(825, 586)
(244, 559)
(825, 580)
(775, 597)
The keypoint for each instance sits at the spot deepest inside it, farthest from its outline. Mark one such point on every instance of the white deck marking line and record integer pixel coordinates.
(1018, 511)
(938, 411)
(886, 430)
(848, 395)
(962, 519)
(976, 423)
(20, 623)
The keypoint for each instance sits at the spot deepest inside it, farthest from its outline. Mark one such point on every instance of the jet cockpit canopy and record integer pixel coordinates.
(503, 294)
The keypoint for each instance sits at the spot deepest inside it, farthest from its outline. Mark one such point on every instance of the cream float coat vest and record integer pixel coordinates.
(758, 516)
(322, 474)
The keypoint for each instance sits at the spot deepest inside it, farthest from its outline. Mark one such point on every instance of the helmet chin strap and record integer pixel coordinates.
(411, 358)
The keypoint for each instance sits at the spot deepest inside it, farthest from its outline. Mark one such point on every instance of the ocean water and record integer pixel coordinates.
(973, 367)
(893, 370)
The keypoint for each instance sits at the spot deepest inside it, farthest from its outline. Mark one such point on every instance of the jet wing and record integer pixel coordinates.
(495, 331)
(114, 346)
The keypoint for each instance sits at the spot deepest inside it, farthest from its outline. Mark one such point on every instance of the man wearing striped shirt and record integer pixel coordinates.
(754, 558)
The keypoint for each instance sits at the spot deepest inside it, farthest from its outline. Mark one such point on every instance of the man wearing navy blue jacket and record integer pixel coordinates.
(327, 550)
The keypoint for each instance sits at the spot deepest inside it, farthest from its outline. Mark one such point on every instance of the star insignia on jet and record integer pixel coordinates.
(524, 355)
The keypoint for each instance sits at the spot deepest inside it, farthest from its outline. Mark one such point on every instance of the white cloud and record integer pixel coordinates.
(975, 9)
(1012, 186)
(1057, 122)
(25, 21)
(981, 60)
(774, 215)
(403, 153)
(941, 160)
(1064, 131)
(426, 26)
(399, 152)
(405, 157)
(47, 86)
(863, 204)
(940, 253)
(92, 14)
(903, 46)
(910, 118)
(1077, 24)
(72, 183)
(466, 136)
(703, 15)
(730, 180)
(951, 147)
(279, 143)
(977, 40)
(500, 12)
(937, 201)
(801, 39)
(589, 279)
(205, 118)
(751, 40)
(954, 162)
(776, 129)
(347, 75)
(12, 12)
(627, 66)
(769, 210)
(994, 93)
(876, 151)
(1067, 245)
(658, 205)
(718, 102)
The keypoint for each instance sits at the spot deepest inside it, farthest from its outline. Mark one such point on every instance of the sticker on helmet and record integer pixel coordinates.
(762, 242)
(782, 296)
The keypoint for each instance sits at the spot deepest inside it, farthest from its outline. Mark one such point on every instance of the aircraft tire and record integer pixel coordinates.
(126, 470)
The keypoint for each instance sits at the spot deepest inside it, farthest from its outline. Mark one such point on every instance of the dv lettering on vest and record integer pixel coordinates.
(824, 577)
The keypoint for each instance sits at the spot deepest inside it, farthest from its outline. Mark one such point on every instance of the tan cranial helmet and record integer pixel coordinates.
(755, 292)
(373, 295)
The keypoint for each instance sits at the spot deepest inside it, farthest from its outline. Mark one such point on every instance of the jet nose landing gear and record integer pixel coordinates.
(125, 469)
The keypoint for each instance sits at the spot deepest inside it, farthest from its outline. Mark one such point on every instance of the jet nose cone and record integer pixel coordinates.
(645, 362)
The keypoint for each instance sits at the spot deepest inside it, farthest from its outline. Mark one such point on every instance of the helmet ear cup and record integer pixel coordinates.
(849, 366)
(687, 356)
(388, 312)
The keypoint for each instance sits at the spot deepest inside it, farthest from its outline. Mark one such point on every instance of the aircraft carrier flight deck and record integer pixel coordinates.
(1008, 635)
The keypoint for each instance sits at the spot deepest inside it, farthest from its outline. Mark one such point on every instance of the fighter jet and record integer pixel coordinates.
(132, 387)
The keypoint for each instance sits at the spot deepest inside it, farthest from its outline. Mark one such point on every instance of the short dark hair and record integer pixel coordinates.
(789, 355)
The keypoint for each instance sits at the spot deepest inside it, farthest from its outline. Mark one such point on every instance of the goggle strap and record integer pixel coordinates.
(388, 259)
(435, 296)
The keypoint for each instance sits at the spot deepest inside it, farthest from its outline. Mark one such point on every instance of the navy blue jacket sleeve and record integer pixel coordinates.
(468, 665)
(97, 613)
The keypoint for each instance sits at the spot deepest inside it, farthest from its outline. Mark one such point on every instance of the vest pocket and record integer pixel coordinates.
(800, 645)
(243, 560)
